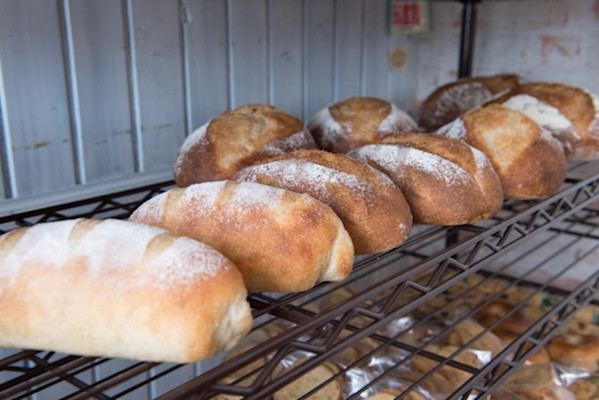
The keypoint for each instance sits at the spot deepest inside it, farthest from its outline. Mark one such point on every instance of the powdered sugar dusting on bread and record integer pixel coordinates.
(542, 113)
(454, 130)
(331, 129)
(394, 158)
(152, 210)
(290, 172)
(397, 121)
(190, 142)
(46, 242)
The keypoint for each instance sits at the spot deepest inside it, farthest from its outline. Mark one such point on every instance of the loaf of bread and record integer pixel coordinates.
(281, 241)
(118, 289)
(445, 181)
(372, 208)
(529, 161)
(569, 113)
(237, 138)
(357, 121)
(449, 101)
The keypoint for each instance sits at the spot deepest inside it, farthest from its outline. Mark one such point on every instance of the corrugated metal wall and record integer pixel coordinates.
(99, 94)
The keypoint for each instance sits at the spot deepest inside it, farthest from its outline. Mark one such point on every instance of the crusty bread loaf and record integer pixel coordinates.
(118, 289)
(569, 113)
(235, 139)
(529, 161)
(311, 379)
(449, 101)
(281, 241)
(372, 208)
(445, 181)
(357, 121)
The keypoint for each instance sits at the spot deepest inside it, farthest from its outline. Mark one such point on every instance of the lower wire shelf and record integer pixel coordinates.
(420, 320)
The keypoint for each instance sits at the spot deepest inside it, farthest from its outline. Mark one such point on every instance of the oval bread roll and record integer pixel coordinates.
(449, 101)
(569, 113)
(529, 161)
(218, 149)
(445, 181)
(357, 121)
(118, 289)
(281, 241)
(372, 208)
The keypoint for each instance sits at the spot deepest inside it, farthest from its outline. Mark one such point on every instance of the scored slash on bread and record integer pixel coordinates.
(372, 208)
(281, 241)
(118, 289)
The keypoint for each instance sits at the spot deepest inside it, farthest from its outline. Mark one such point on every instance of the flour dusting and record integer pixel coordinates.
(398, 121)
(331, 129)
(190, 142)
(454, 130)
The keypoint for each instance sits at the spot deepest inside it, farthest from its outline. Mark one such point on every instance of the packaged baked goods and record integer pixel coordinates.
(357, 121)
(373, 209)
(281, 241)
(236, 138)
(445, 181)
(529, 161)
(452, 99)
(569, 113)
(118, 289)
(576, 351)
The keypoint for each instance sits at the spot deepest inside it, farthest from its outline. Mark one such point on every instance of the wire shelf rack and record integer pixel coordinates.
(432, 285)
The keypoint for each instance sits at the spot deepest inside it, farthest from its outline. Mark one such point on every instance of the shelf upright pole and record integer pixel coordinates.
(467, 37)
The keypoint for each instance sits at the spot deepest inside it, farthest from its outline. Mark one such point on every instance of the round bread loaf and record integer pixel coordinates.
(281, 241)
(371, 206)
(529, 161)
(237, 138)
(357, 121)
(569, 113)
(449, 101)
(445, 181)
(118, 289)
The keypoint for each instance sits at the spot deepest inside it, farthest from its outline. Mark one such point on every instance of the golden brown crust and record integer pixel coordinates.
(516, 322)
(372, 208)
(118, 289)
(357, 121)
(279, 240)
(575, 350)
(445, 181)
(235, 139)
(449, 101)
(531, 164)
(311, 379)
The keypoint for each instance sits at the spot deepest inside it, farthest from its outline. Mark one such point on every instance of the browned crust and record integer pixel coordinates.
(431, 198)
(284, 246)
(530, 165)
(430, 118)
(237, 138)
(376, 221)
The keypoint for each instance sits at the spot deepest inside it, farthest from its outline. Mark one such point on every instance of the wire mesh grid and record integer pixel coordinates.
(383, 326)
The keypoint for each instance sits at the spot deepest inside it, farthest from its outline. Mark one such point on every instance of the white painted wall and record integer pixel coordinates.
(118, 123)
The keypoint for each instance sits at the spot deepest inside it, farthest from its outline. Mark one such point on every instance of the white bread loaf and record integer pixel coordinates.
(372, 208)
(357, 121)
(530, 162)
(118, 289)
(281, 241)
(445, 181)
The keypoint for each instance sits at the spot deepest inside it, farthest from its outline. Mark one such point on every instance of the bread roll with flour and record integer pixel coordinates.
(236, 138)
(118, 289)
(445, 181)
(372, 208)
(281, 241)
(529, 161)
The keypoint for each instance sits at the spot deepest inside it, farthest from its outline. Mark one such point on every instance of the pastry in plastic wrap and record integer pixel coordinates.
(575, 351)
(357, 121)
(529, 161)
(307, 382)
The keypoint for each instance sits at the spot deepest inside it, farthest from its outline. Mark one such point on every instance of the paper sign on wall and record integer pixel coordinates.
(408, 16)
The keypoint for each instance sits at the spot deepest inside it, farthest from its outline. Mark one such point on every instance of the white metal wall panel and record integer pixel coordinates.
(36, 102)
(376, 51)
(209, 66)
(349, 41)
(101, 80)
